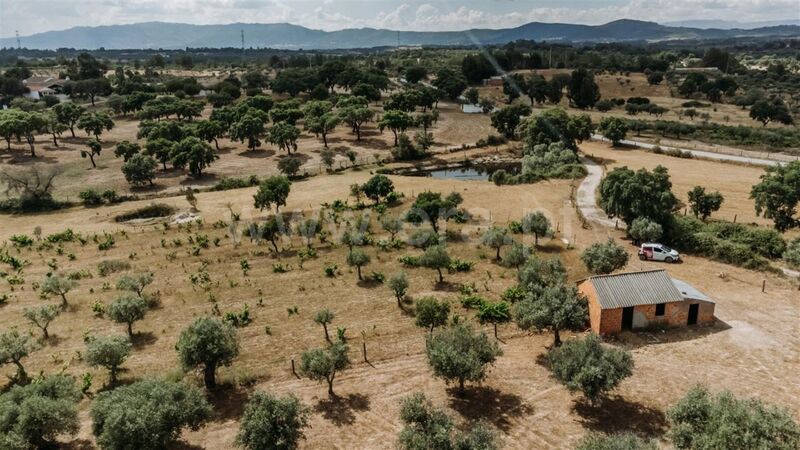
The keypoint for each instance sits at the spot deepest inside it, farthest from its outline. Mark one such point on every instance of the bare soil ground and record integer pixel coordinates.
(733, 181)
(753, 350)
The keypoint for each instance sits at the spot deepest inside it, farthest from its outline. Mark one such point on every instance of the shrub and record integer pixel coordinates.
(90, 197)
(792, 253)
(147, 212)
(109, 266)
(603, 258)
(472, 301)
(617, 441)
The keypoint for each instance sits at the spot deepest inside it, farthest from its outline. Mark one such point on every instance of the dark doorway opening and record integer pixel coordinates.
(693, 310)
(627, 318)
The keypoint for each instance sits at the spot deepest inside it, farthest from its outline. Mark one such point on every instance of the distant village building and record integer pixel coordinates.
(43, 86)
(493, 81)
(636, 300)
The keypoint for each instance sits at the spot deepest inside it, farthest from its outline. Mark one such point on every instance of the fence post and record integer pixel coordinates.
(364, 349)
(294, 372)
(763, 285)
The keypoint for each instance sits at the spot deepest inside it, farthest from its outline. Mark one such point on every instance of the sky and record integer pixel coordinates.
(34, 16)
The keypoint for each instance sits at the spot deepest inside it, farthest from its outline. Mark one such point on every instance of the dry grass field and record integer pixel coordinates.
(753, 350)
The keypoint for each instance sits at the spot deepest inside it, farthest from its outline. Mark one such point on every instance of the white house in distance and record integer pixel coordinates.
(42, 86)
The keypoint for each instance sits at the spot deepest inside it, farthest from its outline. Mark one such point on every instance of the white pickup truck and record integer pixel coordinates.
(658, 252)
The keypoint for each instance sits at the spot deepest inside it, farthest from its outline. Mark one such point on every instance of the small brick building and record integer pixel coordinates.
(635, 300)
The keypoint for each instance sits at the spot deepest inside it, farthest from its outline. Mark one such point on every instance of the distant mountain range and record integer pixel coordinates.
(730, 24)
(154, 35)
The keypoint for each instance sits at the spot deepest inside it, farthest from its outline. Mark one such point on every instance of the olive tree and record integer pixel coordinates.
(42, 316)
(555, 308)
(431, 313)
(604, 257)
(702, 420)
(324, 317)
(436, 257)
(135, 283)
(427, 427)
(586, 365)
(127, 309)
(324, 363)
(108, 352)
(398, 283)
(140, 170)
(357, 258)
(496, 238)
(14, 346)
(56, 284)
(537, 224)
(207, 342)
(147, 415)
(272, 423)
(494, 313)
(36, 414)
(459, 354)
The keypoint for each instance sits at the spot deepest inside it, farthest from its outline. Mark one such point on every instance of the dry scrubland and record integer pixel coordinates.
(752, 350)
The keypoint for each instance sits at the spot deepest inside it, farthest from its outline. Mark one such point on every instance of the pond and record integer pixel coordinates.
(460, 173)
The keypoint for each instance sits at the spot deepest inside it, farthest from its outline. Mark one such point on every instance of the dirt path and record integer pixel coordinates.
(700, 153)
(586, 196)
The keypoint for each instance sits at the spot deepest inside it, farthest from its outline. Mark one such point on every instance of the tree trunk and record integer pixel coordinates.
(358, 133)
(461, 385)
(55, 142)
(325, 139)
(535, 240)
(63, 300)
(498, 254)
(33, 148)
(45, 333)
(22, 375)
(327, 337)
(557, 338)
(495, 331)
(395, 137)
(441, 277)
(72, 130)
(113, 375)
(209, 376)
(358, 268)
(91, 158)
(216, 143)
(130, 329)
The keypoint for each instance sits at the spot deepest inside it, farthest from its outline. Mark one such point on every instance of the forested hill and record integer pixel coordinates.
(153, 35)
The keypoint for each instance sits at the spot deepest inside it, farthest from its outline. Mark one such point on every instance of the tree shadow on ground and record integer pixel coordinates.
(616, 414)
(489, 404)
(341, 410)
(257, 154)
(446, 286)
(143, 338)
(228, 401)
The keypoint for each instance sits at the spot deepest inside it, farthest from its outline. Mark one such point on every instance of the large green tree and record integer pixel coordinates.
(586, 365)
(777, 195)
(604, 257)
(324, 363)
(194, 153)
(147, 415)
(272, 423)
(582, 90)
(555, 125)
(272, 191)
(628, 195)
(35, 415)
(554, 308)
(208, 343)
